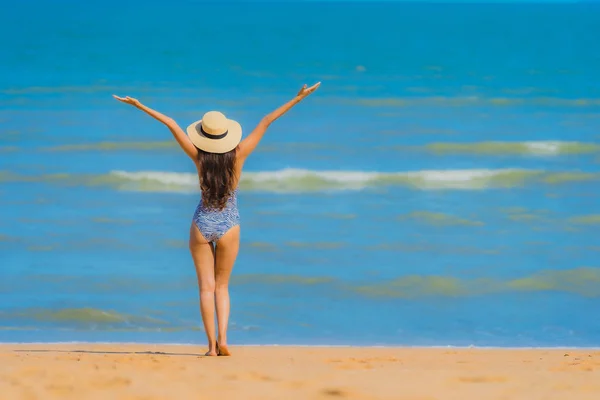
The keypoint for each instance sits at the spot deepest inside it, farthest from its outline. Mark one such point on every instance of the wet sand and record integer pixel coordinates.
(123, 371)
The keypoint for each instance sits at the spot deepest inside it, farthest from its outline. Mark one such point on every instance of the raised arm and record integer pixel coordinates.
(175, 129)
(248, 145)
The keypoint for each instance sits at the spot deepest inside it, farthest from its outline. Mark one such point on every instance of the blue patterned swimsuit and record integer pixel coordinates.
(213, 224)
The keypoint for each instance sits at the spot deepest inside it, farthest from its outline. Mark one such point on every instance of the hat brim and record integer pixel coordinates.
(222, 145)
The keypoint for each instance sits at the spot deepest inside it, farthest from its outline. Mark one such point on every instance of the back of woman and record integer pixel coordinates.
(215, 145)
(217, 210)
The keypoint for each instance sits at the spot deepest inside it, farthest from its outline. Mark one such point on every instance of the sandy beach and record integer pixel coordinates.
(86, 371)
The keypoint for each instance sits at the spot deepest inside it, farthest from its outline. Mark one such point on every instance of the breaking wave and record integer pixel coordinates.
(306, 181)
(301, 180)
(536, 148)
(492, 148)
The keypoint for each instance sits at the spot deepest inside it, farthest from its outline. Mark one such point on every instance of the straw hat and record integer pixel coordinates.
(214, 133)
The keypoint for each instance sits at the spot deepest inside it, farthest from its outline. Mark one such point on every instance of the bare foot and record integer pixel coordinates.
(213, 351)
(222, 350)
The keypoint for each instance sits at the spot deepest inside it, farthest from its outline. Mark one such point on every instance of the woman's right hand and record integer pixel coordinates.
(305, 91)
(128, 100)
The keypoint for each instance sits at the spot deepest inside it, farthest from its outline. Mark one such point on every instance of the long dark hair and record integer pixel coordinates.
(217, 178)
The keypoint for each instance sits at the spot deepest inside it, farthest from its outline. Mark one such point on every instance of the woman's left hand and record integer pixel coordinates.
(305, 91)
(128, 100)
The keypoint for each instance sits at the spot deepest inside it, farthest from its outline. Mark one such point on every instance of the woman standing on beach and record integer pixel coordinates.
(214, 144)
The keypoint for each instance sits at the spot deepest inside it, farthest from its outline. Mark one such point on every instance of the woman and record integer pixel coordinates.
(214, 144)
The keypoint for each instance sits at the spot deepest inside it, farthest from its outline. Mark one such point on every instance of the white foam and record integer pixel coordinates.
(545, 147)
(168, 178)
(303, 180)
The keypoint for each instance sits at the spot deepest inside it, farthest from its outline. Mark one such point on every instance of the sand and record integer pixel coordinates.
(87, 371)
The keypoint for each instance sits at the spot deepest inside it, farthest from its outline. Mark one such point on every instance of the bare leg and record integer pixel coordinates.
(226, 254)
(203, 254)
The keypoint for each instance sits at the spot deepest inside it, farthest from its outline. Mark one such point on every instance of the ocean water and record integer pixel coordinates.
(441, 187)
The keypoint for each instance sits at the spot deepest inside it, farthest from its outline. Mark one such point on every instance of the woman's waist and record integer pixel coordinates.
(230, 206)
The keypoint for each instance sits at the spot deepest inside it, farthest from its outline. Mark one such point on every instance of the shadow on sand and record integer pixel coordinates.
(159, 353)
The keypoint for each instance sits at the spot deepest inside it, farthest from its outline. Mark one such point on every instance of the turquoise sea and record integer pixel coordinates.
(441, 187)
